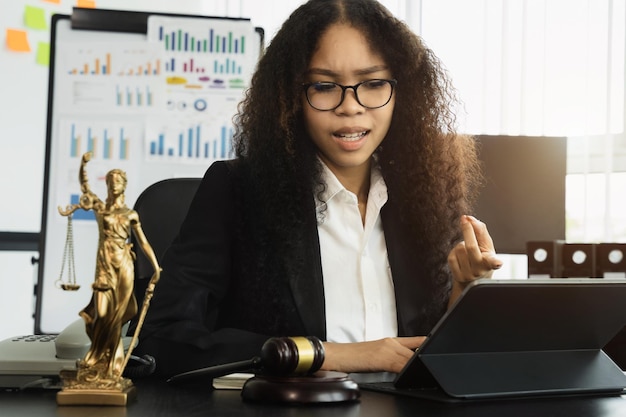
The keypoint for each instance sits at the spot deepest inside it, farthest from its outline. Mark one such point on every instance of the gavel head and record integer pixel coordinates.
(292, 355)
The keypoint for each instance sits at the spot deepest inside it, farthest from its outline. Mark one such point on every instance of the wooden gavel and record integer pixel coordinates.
(280, 356)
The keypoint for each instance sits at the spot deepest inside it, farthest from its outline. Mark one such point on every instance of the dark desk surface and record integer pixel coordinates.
(157, 399)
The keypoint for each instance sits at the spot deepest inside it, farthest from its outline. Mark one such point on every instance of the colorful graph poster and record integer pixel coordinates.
(111, 77)
(205, 54)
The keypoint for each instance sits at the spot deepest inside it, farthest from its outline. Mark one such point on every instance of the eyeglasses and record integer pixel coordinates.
(371, 94)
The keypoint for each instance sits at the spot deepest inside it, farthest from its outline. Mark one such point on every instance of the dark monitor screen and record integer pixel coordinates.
(523, 197)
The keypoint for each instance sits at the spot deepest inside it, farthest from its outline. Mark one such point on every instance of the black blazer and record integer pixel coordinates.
(215, 305)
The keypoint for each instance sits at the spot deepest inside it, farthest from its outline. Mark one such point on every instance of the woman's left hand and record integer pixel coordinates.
(474, 257)
(384, 355)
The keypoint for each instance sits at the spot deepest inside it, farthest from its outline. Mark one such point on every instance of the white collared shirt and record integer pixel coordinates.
(358, 288)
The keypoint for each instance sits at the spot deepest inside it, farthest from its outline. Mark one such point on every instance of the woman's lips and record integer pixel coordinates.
(350, 137)
(351, 141)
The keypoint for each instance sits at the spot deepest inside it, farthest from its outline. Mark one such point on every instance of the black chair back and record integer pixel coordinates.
(162, 207)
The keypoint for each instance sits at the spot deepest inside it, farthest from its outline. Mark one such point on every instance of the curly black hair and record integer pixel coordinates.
(431, 171)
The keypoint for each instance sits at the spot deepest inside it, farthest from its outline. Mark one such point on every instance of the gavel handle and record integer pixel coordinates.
(218, 370)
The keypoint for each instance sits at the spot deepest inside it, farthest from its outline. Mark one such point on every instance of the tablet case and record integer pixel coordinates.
(514, 338)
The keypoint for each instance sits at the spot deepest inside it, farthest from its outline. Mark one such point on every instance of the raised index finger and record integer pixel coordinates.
(472, 246)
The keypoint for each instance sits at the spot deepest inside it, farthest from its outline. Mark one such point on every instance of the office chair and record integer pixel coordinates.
(162, 207)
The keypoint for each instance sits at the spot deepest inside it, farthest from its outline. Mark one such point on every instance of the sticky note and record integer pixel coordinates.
(89, 4)
(43, 53)
(53, 1)
(17, 40)
(35, 18)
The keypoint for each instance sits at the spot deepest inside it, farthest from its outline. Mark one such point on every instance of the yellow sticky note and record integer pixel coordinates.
(17, 40)
(89, 4)
(43, 53)
(35, 18)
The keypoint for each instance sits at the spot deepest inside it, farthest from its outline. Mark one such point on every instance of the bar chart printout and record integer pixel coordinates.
(107, 141)
(206, 46)
(113, 144)
(110, 77)
(111, 59)
(201, 40)
(195, 143)
(92, 63)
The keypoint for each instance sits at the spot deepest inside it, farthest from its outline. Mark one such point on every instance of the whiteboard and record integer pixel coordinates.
(156, 102)
(24, 83)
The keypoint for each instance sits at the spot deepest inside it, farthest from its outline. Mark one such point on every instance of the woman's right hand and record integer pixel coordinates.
(384, 355)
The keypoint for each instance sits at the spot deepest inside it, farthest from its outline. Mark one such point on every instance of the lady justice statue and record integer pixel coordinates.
(98, 377)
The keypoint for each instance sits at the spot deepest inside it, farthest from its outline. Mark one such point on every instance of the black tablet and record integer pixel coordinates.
(522, 337)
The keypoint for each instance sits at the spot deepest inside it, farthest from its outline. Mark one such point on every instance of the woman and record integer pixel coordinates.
(343, 214)
(112, 303)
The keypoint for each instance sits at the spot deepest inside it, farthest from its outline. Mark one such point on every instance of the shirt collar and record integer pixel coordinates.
(378, 188)
(332, 185)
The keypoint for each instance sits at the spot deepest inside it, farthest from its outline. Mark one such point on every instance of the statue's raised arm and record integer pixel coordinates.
(88, 200)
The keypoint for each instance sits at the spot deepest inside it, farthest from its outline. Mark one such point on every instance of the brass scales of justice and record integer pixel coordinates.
(97, 378)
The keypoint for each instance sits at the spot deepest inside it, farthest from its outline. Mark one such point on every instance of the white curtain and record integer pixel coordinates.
(533, 67)
(546, 68)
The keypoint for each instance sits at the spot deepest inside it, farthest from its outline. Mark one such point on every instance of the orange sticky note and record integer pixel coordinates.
(53, 1)
(88, 4)
(17, 40)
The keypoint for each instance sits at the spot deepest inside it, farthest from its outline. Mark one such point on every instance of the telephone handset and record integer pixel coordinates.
(72, 342)
(27, 359)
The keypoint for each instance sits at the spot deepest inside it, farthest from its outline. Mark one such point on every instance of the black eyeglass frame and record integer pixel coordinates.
(354, 88)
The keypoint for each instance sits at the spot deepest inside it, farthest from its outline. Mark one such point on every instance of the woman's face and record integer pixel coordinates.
(348, 135)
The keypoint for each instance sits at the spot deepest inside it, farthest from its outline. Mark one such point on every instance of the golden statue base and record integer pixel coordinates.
(96, 397)
(76, 392)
